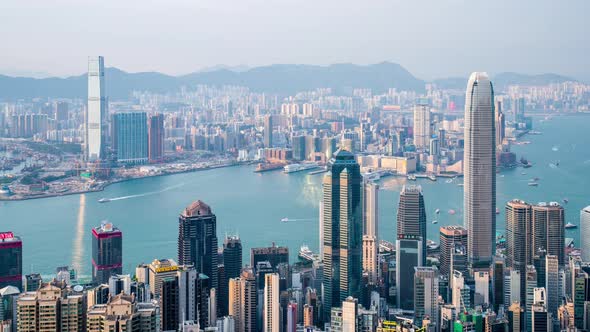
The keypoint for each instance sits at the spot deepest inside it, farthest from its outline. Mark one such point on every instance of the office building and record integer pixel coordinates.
(298, 146)
(482, 286)
(11, 260)
(531, 284)
(450, 236)
(242, 301)
(155, 138)
(268, 126)
(422, 126)
(515, 318)
(370, 233)
(540, 317)
(119, 283)
(96, 111)
(32, 282)
(169, 304)
(271, 320)
(349, 315)
(160, 269)
(426, 294)
(292, 317)
(123, 313)
(187, 279)
(498, 269)
(232, 266)
(479, 163)
(408, 255)
(107, 252)
(518, 224)
(130, 137)
(307, 315)
(411, 215)
(274, 255)
(548, 230)
(197, 239)
(342, 230)
(552, 284)
(459, 292)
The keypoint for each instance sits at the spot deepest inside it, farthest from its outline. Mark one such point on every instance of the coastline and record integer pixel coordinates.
(104, 186)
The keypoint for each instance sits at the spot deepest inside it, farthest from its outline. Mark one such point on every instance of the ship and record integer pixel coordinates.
(565, 200)
(437, 211)
(298, 167)
(435, 221)
(285, 219)
(307, 255)
(533, 184)
(412, 177)
(569, 225)
(104, 200)
(432, 177)
(267, 167)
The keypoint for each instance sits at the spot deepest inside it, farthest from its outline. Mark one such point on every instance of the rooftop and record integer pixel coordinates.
(197, 208)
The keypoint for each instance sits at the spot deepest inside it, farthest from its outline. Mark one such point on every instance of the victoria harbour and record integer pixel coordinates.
(57, 230)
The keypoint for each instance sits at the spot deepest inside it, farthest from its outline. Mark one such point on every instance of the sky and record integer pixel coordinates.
(430, 38)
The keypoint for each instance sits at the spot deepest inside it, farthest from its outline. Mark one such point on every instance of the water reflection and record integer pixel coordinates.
(78, 245)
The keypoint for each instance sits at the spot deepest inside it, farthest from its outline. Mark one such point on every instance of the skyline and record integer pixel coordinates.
(209, 34)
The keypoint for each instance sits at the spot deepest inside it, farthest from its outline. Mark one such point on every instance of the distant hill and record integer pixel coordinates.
(503, 80)
(280, 79)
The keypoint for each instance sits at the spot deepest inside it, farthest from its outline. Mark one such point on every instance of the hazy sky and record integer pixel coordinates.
(431, 38)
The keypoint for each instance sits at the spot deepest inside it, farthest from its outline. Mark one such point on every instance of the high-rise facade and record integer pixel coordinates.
(169, 304)
(197, 240)
(130, 137)
(107, 252)
(123, 313)
(518, 224)
(268, 131)
(408, 255)
(552, 283)
(371, 223)
(548, 230)
(479, 160)
(232, 256)
(425, 294)
(155, 138)
(450, 237)
(271, 320)
(411, 215)
(242, 301)
(585, 233)
(342, 229)
(11, 261)
(422, 126)
(96, 111)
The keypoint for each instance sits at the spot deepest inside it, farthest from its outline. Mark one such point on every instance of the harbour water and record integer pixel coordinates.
(56, 231)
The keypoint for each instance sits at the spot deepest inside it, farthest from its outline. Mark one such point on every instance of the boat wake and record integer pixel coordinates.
(145, 194)
(292, 219)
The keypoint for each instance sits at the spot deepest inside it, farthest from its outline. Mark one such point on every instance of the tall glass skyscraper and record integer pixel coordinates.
(411, 215)
(156, 138)
(479, 197)
(130, 137)
(342, 230)
(422, 126)
(96, 111)
(11, 261)
(107, 252)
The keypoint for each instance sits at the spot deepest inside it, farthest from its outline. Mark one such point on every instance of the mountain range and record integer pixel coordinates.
(282, 79)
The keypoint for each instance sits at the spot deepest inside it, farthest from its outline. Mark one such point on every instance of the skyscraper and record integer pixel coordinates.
(96, 111)
(518, 223)
(197, 239)
(479, 187)
(426, 294)
(271, 321)
(130, 137)
(585, 233)
(370, 219)
(242, 301)
(11, 261)
(552, 284)
(408, 256)
(450, 236)
(343, 230)
(268, 131)
(411, 215)
(232, 266)
(349, 315)
(107, 252)
(155, 138)
(169, 304)
(548, 230)
(422, 126)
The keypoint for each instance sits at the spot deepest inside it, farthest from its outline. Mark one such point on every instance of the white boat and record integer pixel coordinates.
(437, 211)
(104, 200)
(285, 219)
(292, 168)
(432, 177)
(569, 225)
(533, 184)
(435, 221)
(412, 177)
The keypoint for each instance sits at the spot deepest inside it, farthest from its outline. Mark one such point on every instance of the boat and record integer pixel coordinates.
(412, 177)
(452, 212)
(569, 225)
(555, 148)
(285, 219)
(432, 177)
(565, 200)
(267, 167)
(432, 245)
(533, 184)
(298, 167)
(437, 211)
(535, 179)
(104, 200)
(305, 253)
(435, 221)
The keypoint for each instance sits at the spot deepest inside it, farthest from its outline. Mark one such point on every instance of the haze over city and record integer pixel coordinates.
(432, 39)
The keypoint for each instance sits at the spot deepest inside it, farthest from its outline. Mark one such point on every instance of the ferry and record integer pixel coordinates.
(299, 167)
(307, 255)
(285, 219)
(412, 177)
(104, 200)
(437, 211)
(569, 225)
(533, 184)
(435, 222)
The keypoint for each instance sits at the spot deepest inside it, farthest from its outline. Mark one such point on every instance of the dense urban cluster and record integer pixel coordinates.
(528, 279)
